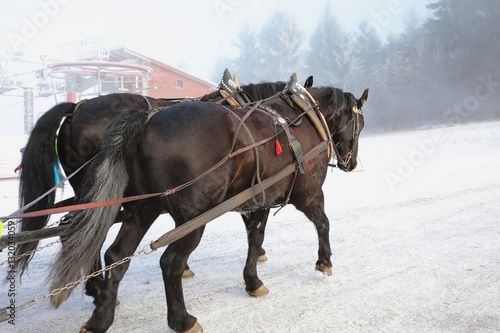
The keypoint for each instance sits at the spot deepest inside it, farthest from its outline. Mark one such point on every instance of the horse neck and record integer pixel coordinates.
(333, 103)
(257, 91)
(263, 90)
(211, 97)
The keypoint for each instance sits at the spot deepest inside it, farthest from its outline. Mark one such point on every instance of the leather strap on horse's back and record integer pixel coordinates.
(314, 115)
(229, 98)
(73, 114)
(293, 143)
(256, 174)
(147, 101)
(152, 112)
(296, 148)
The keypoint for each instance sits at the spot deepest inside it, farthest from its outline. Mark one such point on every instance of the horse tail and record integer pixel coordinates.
(106, 179)
(37, 174)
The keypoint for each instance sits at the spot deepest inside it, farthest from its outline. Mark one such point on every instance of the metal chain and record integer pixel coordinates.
(74, 284)
(53, 224)
(88, 277)
(30, 252)
(37, 249)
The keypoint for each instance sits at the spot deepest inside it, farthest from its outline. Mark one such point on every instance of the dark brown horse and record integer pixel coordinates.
(78, 140)
(175, 146)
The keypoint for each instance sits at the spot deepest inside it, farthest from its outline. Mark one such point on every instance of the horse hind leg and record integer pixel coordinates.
(255, 223)
(262, 255)
(94, 285)
(172, 263)
(188, 273)
(137, 222)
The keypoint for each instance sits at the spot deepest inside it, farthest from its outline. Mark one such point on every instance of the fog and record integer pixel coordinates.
(426, 62)
(442, 69)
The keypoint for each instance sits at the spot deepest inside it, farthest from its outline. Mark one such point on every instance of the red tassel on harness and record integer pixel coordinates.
(278, 148)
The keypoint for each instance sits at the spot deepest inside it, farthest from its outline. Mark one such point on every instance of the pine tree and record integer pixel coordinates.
(247, 64)
(332, 59)
(280, 48)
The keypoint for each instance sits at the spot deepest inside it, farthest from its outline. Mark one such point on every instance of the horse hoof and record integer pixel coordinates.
(117, 303)
(260, 292)
(324, 269)
(187, 274)
(85, 330)
(195, 329)
(262, 258)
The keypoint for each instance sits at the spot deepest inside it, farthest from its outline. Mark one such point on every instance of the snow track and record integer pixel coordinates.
(422, 256)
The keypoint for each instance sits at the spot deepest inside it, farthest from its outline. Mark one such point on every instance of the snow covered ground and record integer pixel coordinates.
(415, 239)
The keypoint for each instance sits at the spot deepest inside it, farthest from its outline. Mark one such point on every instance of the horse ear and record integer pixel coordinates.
(363, 99)
(309, 82)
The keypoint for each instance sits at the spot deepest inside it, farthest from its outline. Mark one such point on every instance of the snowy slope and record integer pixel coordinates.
(415, 240)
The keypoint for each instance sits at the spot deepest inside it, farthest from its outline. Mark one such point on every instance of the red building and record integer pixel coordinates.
(122, 70)
(172, 82)
(166, 81)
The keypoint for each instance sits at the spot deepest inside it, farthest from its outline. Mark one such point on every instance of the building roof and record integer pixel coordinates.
(125, 54)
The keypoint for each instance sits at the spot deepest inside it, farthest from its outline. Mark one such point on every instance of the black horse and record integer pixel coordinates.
(78, 140)
(147, 155)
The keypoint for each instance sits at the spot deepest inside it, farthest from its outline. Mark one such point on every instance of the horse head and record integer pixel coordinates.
(344, 116)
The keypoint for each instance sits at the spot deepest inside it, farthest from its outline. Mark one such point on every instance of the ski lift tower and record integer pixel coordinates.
(17, 72)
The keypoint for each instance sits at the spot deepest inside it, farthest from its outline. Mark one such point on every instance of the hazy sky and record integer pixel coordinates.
(188, 34)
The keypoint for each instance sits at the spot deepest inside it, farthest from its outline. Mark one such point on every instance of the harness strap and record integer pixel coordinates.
(242, 96)
(231, 203)
(73, 114)
(229, 98)
(147, 101)
(315, 117)
(296, 148)
(293, 143)
(152, 112)
(17, 214)
(256, 174)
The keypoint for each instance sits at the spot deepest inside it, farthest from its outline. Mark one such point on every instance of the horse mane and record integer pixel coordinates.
(339, 100)
(263, 90)
(257, 91)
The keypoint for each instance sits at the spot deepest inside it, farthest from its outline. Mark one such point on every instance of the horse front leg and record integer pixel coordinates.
(133, 229)
(315, 212)
(173, 263)
(255, 223)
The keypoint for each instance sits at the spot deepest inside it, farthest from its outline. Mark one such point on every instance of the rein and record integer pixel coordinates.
(17, 214)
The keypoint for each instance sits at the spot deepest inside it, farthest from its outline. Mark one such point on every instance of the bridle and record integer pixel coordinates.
(344, 160)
